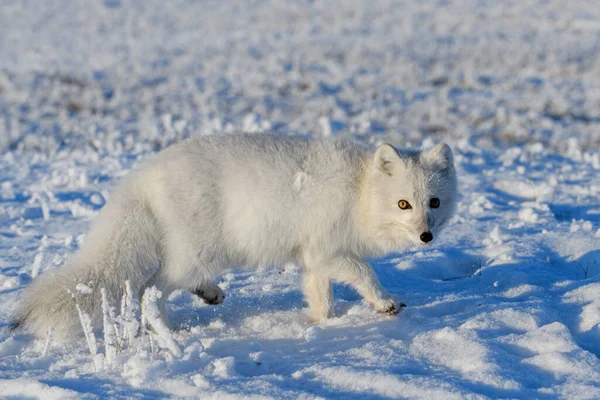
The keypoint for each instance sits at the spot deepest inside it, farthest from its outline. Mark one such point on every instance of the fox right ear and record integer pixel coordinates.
(387, 159)
(439, 156)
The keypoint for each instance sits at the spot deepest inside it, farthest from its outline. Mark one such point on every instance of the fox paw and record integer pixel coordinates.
(391, 306)
(212, 295)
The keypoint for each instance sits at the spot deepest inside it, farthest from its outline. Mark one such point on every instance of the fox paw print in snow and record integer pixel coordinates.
(212, 295)
(391, 306)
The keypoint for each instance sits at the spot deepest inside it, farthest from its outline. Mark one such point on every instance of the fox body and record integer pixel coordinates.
(207, 204)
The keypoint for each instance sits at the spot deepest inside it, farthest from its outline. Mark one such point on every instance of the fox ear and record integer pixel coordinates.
(387, 160)
(439, 156)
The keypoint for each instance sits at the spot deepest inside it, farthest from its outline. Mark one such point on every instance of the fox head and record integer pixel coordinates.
(411, 195)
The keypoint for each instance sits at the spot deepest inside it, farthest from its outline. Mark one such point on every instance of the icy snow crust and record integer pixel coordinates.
(505, 304)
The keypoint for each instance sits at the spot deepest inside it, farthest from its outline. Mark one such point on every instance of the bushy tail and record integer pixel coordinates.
(122, 244)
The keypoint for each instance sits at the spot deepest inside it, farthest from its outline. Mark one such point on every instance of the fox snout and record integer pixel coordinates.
(426, 237)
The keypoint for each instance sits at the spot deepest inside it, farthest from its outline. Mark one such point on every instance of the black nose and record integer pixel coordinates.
(426, 237)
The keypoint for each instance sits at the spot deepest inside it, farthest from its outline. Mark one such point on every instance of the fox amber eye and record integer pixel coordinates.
(404, 205)
(434, 202)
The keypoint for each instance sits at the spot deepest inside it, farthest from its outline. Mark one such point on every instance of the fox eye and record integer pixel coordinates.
(404, 205)
(434, 202)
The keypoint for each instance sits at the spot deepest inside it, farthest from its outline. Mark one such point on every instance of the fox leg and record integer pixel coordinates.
(319, 295)
(210, 292)
(361, 276)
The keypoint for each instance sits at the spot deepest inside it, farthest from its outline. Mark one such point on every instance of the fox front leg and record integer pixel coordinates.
(210, 293)
(361, 276)
(319, 295)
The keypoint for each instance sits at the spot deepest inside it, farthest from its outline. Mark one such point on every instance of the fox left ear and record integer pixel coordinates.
(387, 160)
(439, 156)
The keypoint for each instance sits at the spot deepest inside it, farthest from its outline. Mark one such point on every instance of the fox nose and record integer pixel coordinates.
(426, 237)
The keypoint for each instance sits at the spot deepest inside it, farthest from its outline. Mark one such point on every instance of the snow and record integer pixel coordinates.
(23, 388)
(505, 305)
(151, 316)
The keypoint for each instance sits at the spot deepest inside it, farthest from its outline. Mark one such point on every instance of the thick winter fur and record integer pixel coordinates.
(208, 204)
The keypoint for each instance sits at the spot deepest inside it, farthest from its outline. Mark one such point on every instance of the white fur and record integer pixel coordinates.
(208, 204)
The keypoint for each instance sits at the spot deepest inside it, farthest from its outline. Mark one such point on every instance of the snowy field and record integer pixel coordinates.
(505, 305)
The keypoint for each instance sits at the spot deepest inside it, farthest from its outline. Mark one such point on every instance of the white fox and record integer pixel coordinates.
(207, 204)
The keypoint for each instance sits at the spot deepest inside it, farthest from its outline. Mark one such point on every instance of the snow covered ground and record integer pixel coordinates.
(505, 305)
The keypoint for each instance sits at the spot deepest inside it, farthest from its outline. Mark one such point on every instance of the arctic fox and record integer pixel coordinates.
(207, 204)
